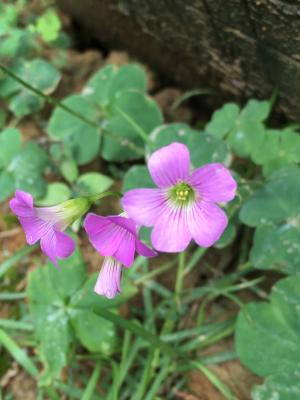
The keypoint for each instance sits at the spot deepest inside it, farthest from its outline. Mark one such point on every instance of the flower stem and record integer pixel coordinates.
(100, 196)
(57, 103)
(179, 276)
(139, 130)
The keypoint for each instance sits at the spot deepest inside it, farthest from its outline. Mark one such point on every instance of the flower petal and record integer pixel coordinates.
(144, 206)
(34, 228)
(214, 183)
(22, 204)
(109, 280)
(171, 233)
(94, 223)
(65, 245)
(126, 249)
(48, 246)
(57, 244)
(104, 235)
(110, 238)
(124, 222)
(144, 250)
(169, 165)
(206, 222)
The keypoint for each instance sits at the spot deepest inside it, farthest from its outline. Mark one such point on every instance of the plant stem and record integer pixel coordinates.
(179, 276)
(57, 103)
(139, 130)
(100, 196)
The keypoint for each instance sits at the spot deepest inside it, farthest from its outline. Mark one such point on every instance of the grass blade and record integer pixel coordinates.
(138, 330)
(11, 261)
(10, 296)
(89, 390)
(18, 354)
(226, 392)
(17, 325)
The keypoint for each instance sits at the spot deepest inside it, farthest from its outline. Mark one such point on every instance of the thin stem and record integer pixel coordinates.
(226, 392)
(100, 196)
(57, 103)
(150, 275)
(180, 276)
(139, 130)
(48, 98)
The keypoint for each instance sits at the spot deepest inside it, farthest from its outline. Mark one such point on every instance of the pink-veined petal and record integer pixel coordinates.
(144, 250)
(94, 223)
(171, 233)
(214, 183)
(109, 279)
(48, 246)
(169, 165)
(22, 204)
(57, 244)
(34, 228)
(65, 245)
(206, 223)
(124, 222)
(126, 249)
(144, 206)
(104, 235)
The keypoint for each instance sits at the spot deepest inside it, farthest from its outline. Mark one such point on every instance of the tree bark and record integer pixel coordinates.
(240, 48)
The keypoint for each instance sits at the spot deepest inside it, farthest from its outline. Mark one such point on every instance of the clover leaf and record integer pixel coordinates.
(268, 343)
(275, 212)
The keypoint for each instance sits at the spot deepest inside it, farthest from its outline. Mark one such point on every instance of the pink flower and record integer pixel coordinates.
(48, 223)
(183, 207)
(114, 237)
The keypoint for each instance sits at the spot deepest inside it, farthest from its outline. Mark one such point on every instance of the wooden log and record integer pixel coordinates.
(240, 48)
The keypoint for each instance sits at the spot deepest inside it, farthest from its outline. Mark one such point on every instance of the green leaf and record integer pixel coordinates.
(275, 211)
(223, 120)
(48, 291)
(277, 201)
(69, 169)
(246, 137)
(287, 151)
(256, 110)
(137, 177)
(52, 330)
(111, 79)
(56, 193)
(268, 149)
(48, 25)
(244, 130)
(41, 75)
(277, 247)
(16, 43)
(140, 109)
(74, 132)
(7, 185)
(87, 299)
(267, 338)
(9, 15)
(285, 386)
(10, 145)
(228, 236)
(94, 332)
(28, 167)
(93, 183)
(203, 148)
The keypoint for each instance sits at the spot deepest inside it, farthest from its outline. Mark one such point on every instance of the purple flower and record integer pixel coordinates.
(114, 237)
(183, 207)
(48, 223)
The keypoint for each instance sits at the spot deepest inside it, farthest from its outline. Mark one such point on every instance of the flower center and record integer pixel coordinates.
(182, 193)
